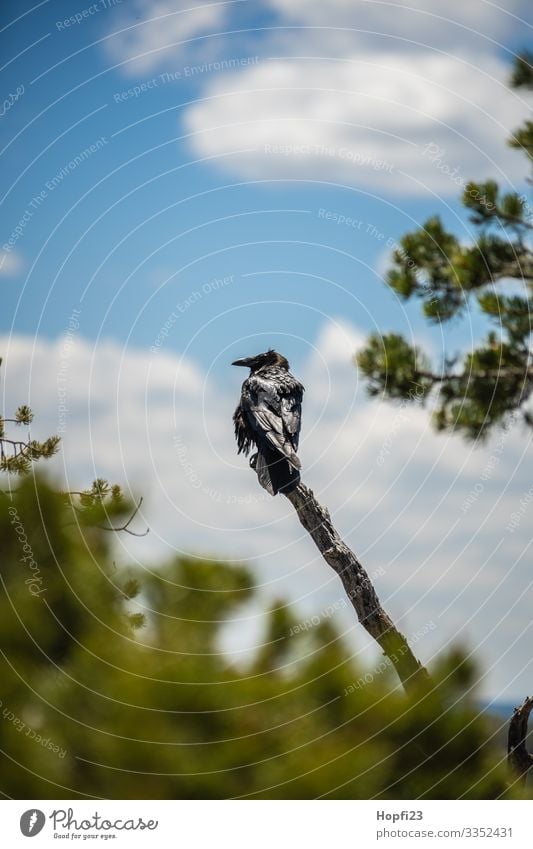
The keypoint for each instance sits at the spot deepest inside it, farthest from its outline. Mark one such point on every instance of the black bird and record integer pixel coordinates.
(268, 416)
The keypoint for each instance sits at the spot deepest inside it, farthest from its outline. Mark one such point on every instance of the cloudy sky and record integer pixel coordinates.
(187, 183)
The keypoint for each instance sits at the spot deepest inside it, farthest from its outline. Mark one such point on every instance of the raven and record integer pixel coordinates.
(268, 416)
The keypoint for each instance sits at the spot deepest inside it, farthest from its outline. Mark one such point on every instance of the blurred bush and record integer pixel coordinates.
(114, 686)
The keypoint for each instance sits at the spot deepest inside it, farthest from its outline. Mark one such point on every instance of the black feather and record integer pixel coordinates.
(269, 417)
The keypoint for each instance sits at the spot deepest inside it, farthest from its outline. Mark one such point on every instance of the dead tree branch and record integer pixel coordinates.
(518, 757)
(317, 522)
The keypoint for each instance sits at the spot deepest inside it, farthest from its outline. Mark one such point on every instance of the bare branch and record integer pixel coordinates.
(126, 526)
(317, 522)
(518, 757)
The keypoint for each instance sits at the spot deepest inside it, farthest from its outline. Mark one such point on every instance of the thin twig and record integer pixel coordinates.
(126, 527)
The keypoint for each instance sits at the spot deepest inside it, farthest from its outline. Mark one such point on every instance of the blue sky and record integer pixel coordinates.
(145, 219)
(182, 175)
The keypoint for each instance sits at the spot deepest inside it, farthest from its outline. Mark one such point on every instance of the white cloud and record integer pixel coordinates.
(338, 342)
(160, 425)
(355, 96)
(151, 33)
(10, 264)
(366, 120)
(406, 22)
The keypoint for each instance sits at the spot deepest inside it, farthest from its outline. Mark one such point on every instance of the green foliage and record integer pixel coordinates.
(18, 455)
(523, 139)
(495, 380)
(522, 75)
(425, 268)
(100, 503)
(114, 685)
(24, 415)
(389, 361)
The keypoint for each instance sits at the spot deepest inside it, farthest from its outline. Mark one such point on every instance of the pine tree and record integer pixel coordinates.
(18, 455)
(494, 381)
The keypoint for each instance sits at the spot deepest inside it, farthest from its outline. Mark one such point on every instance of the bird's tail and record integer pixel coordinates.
(284, 448)
(274, 472)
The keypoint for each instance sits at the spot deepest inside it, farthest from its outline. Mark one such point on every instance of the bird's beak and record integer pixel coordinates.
(244, 362)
